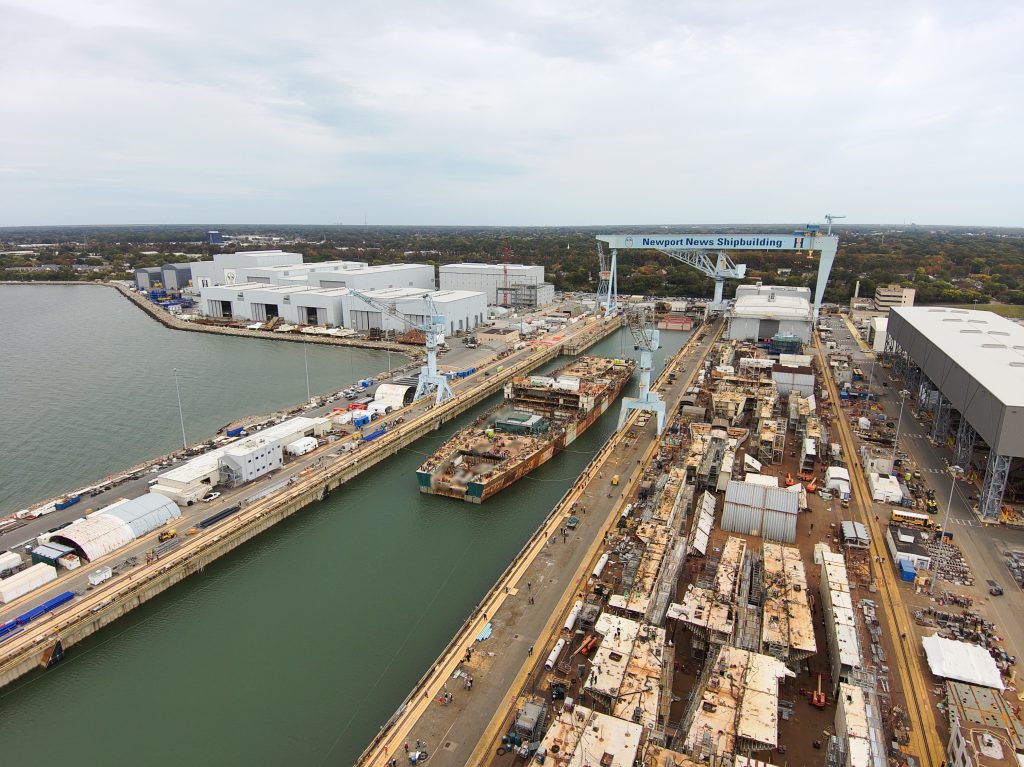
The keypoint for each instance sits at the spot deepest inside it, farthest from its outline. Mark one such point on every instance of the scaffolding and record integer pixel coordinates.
(996, 473)
(771, 446)
(966, 437)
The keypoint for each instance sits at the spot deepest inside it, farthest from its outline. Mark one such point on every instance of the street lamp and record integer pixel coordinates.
(954, 472)
(904, 393)
(181, 413)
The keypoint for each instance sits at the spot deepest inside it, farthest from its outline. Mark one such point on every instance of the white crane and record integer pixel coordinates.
(830, 218)
(430, 380)
(608, 282)
(646, 340)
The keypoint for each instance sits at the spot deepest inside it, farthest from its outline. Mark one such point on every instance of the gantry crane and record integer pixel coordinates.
(830, 218)
(608, 283)
(430, 380)
(718, 266)
(646, 340)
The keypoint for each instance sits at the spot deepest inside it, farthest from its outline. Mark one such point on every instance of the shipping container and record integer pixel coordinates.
(361, 420)
(20, 584)
(64, 503)
(374, 435)
(236, 432)
(96, 577)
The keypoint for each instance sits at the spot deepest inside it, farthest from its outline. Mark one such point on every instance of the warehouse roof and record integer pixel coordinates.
(143, 514)
(976, 359)
(96, 536)
(761, 496)
(488, 267)
(776, 306)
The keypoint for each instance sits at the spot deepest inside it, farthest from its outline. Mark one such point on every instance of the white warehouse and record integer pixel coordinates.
(464, 309)
(225, 267)
(526, 286)
(343, 274)
(338, 307)
(763, 311)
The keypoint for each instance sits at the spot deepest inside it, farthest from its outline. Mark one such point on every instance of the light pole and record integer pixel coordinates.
(181, 413)
(305, 359)
(954, 472)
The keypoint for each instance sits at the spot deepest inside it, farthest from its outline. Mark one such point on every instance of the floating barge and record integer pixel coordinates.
(539, 416)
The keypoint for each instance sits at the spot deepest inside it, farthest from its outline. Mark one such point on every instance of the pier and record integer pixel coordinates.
(99, 607)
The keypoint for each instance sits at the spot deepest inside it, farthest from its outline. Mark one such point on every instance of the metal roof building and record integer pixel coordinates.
(117, 525)
(752, 508)
(970, 362)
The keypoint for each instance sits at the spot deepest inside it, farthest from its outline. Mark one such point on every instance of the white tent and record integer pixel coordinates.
(961, 661)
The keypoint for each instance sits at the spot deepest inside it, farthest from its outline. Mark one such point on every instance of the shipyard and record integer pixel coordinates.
(733, 578)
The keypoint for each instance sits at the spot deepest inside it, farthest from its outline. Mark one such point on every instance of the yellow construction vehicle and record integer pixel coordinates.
(166, 535)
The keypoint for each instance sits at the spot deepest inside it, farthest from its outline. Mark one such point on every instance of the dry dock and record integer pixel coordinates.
(88, 613)
(524, 605)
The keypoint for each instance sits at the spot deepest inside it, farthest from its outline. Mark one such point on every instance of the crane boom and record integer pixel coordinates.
(430, 379)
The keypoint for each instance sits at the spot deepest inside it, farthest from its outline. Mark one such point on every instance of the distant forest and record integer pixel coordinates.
(944, 264)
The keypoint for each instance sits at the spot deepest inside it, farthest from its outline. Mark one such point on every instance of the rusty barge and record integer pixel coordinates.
(539, 416)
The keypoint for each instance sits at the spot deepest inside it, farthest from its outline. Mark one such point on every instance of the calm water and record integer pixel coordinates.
(297, 647)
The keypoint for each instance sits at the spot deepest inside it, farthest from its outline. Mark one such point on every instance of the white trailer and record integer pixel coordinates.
(96, 577)
(302, 446)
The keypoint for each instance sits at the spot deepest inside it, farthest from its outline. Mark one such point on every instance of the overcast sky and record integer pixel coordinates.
(514, 113)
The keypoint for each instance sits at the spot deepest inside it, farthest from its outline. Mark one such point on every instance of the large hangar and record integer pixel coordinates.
(971, 363)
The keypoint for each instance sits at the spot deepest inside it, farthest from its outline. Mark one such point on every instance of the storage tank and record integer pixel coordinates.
(574, 614)
(553, 656)
(599, 568)
(20, 584)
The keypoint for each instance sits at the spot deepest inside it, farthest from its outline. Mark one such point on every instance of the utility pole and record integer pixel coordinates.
(896, 440)
(181, 413)
(954, 471)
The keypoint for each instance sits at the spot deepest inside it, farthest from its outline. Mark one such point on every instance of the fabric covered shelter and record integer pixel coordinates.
(143, 514)
(961, 661)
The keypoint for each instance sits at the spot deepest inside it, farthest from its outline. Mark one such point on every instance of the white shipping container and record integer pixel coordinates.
(27, 580)
(96, 577)
(9, 560)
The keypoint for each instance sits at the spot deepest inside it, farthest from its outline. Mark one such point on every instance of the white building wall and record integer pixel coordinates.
(225, 268)
(487, 278)
(383, 277)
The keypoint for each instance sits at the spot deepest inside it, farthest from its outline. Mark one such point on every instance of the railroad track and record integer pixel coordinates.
(924, 738)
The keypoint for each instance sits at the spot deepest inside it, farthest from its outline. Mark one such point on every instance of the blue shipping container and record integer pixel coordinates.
(374, 435)
(236, 432)
(65, 502)
(361, 420)
(7, 628)
(907, 572)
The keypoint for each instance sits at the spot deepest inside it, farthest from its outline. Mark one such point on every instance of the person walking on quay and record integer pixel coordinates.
(529, 652)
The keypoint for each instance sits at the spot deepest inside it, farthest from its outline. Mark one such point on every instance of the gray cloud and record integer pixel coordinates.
(508, 113)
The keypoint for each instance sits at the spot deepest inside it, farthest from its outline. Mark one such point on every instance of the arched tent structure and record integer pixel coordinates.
(117, 525)
(143, 514)
(96, 537)
(395, 395)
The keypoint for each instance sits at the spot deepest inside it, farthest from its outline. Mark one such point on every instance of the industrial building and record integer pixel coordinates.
(169, 276)
(224, 268)
(764, 311)
(907, 547)
(877, 333)
(463, 309)
(343, 274)
(965, 367)
(753, 508)
(117, 525)
(516, 285)
(237, 462)
(339, 307)
(889, 296)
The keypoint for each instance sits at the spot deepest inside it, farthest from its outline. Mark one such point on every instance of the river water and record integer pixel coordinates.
(293, 649)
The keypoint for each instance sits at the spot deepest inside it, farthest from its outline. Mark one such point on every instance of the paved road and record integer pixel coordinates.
(983, 546)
